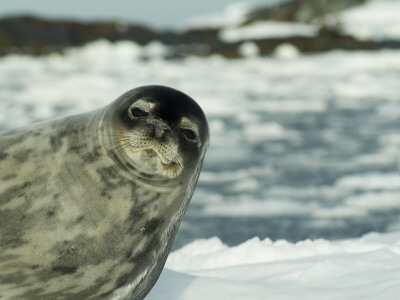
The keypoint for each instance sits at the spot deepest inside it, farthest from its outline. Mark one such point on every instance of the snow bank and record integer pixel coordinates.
(376, 20)
(270, 29)
(364, 268)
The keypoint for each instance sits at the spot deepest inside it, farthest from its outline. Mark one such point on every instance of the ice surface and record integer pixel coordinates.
(363, 268)
(376, 20)
(267, 29)
(302, 146)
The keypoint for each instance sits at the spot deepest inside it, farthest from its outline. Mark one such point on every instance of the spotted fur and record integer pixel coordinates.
(78, 219)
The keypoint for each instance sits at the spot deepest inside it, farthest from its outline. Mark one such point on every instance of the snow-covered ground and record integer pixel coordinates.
(302, 147)
(364, 268)
(303, 163)
(374, 20)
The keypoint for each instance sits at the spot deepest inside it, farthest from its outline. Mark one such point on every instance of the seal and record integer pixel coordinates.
(90, 204)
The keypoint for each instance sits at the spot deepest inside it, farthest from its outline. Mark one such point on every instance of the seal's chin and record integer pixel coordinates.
(150, 162)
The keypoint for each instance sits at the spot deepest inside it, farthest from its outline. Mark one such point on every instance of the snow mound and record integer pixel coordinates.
(376, 20)
(364, 268)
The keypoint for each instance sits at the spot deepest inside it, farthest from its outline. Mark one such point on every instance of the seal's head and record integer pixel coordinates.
(160, 132)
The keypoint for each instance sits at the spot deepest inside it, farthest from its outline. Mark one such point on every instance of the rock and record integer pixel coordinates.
(31, 35)
(303, 11)
(38, 36)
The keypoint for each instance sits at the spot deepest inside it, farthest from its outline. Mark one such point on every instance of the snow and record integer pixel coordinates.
(249, 49)
(371, 181)
(267, 29)
(302, 146)
(246, 207)
(363, 268)
(376, 20)
(267, 131)
(286, 51)
(282, 116)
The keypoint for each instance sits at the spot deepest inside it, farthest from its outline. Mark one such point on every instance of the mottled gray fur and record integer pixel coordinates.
(76, 220)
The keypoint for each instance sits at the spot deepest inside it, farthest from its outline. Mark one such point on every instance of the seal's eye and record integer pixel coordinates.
(189, 134)
(136, 112)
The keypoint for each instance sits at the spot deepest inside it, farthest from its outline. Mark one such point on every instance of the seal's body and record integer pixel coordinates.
(90, 204)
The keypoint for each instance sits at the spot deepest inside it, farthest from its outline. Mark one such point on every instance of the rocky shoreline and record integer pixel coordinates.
(38, 36)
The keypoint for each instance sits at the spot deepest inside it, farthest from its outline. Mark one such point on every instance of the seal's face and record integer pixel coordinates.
(163, 132)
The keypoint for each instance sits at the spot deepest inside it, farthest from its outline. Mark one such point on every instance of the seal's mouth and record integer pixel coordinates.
(167, 166)
(172, 170)
(152, 153)
(151, 156)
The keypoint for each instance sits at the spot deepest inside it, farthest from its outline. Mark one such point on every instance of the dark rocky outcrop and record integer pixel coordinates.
(304, 11)
(37, 36)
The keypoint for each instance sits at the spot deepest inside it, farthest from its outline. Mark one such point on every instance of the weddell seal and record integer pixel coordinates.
(90, 204)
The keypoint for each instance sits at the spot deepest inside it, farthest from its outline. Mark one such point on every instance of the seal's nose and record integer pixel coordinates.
(158, 130)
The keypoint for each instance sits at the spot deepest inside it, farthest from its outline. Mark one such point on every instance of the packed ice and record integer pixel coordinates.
(299, 194)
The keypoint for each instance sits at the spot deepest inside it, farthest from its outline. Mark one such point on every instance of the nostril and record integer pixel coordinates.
(151, 130)
(162, 131)
(159, 131)
(162, 134)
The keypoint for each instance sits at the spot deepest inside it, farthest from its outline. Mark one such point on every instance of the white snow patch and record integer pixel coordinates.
(268, 131)
(376, 20)
(286, 51)
(360, 205)
(104, 52)
(363, 268)
(370, 181)
(245, 207)
(289, 106)
(155, 50)
(375, 201)
(236, 175)
(249, 49)
(269, 29)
